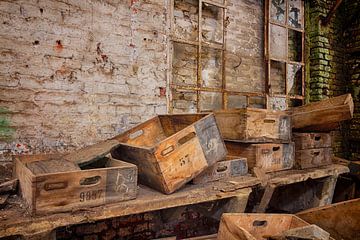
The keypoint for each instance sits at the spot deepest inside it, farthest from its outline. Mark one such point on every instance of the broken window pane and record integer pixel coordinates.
(278, 42)
(210, 101)
(295, 102)
(211, 63)
(294, 79)
(277, 77)
(236, 101)
(277, 11)
(295, 46)
(257, 102)
(184, 64)
(212, 23)
(296, 13)
(277, 103)
(184, 101)
(186, 14)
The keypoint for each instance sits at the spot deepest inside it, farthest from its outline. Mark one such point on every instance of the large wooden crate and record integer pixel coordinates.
(269, 157)
(243, 226)
(232, 166)
(309, 158)
(50, 184)
(170, 150)
(311, 140)
(254, 125)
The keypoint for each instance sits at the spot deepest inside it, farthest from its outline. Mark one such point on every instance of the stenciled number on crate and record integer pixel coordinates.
(184, 160)
(90, 195)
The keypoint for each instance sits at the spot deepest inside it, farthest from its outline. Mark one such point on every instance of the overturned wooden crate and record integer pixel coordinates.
(254, 125)
(242, 226)
(170, 150)
(269, 157)
(49, 184)
(312, 149)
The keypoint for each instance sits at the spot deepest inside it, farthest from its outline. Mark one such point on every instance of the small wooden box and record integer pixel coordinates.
(170, 150)
(231, 167)
(244, 226)
(48, 190)
(270, 157)
(309, 158)
(254, 125)
(311, 140)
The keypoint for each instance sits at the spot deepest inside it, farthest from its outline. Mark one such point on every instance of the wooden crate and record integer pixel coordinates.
(309, 158)
(254, 125)
(311, 140)
(244, 226)
(231, 167)
(267, 156)
(170, 150)
(47, 189)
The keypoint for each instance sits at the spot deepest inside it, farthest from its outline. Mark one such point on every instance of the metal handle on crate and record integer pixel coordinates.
(90, 181)
(136, 134)
(55, 186)
(317, 138)
(260, 223)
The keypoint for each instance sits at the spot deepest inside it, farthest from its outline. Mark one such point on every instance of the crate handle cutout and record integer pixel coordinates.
(276, 149)
(317, 138)
(55, 186)
(316, 153)
(186, 138)
(90, 181)
(221, 169)
(259, 223)
(167, 150)
(136, 134)
(269, 120)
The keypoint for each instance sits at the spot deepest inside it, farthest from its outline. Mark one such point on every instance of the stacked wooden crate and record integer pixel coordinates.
(261, 136)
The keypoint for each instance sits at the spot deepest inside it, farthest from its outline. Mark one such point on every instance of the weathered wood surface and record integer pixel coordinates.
(51, 166)
(311, 140)
(311, 232)
(254, 125)
(9, 186)
(170, 150)
(16, 220)
(92, 153)
(46, 192)
(244, 226)
(324, 115)
(231, 167)
(267, 156)
(309, 158)
(341, 220)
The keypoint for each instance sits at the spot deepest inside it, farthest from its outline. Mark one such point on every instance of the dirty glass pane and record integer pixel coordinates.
(257, 102)
(277, 42)
(183, 101)
(277, 77)
(295, 102)
(295, 46)
(277, 11)
(296, 13)
(277, 103)
(211, 63)
(186, 14)
(294, 79)
(212, 23)
(236, 101)
(210, 101)
(184, 64)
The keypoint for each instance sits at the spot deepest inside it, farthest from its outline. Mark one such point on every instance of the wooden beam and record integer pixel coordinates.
(331, 13)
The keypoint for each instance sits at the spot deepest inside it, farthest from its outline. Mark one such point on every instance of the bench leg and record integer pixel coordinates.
(327, 192)
(265, 199)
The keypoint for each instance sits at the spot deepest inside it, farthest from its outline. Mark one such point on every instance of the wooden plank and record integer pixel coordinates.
(309, 158)
(265, 199)
(311, 232)
(15, 220)
(327, 192)
(52, 166)
(9, 186)
(324, 115)
(341, 220)
(311, 140)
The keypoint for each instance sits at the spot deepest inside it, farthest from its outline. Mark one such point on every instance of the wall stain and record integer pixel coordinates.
(6, 131)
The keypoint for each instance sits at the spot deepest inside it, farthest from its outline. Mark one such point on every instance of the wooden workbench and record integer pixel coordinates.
(16, 221)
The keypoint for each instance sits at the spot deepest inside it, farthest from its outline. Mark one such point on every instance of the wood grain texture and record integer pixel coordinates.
(48, 192)
(254, 125)
(341, 220)
(267, 156)
(311, 140)
(244, 226)
(170, 150)
(313, 157)
(51, 166)
(324, 115)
